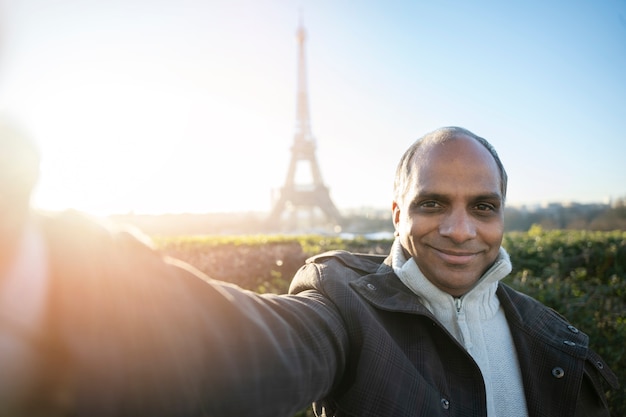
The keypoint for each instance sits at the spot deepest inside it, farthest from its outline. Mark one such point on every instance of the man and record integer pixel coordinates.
(430, 330)
(113, 329)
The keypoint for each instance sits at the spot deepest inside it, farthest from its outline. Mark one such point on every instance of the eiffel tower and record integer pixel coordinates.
(296, 198)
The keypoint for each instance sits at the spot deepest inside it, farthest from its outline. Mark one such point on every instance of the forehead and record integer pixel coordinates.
(459, 164)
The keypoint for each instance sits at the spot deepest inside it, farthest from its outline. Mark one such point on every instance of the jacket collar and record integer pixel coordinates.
(383, 290)
(531, 322)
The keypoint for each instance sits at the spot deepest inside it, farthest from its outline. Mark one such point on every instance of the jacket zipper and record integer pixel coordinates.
(458, 303)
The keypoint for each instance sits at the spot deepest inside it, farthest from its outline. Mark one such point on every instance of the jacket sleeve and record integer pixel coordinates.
(143, 335)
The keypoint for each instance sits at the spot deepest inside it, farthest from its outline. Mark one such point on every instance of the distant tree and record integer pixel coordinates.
(613, 218)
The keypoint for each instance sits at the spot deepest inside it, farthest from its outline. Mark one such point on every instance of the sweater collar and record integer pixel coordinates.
(441, 304)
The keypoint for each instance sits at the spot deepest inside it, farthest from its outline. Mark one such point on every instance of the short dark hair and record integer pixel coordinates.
(405, 166)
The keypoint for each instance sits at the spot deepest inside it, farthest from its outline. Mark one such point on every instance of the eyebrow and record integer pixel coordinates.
(427, 195)
(489, 196)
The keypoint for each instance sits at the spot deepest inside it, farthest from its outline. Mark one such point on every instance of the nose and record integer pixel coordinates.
(458, 225)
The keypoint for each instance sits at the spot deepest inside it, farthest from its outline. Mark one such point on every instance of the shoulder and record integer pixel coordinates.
(335, 267)
(528, 311)
(364, 263)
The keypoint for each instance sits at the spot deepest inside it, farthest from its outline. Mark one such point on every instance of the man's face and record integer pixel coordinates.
(451, 218)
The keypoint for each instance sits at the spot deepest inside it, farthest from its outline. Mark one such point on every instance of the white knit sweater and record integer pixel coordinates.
(477, 321)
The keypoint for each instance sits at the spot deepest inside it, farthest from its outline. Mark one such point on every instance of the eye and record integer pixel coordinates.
(429, 205)
(485, 207)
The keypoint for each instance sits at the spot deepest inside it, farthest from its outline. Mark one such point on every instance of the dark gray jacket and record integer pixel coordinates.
(401, 362)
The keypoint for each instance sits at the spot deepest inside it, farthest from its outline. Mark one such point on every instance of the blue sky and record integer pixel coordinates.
(189, 106)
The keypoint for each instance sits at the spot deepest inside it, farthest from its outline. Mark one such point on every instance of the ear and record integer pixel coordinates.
(395, 215)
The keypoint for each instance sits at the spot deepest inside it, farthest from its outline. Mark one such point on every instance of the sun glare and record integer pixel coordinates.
(150, 147)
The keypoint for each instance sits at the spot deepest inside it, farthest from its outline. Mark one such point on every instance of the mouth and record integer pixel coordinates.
(456, 257)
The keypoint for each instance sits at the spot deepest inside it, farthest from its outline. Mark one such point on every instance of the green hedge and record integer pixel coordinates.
(580, 274)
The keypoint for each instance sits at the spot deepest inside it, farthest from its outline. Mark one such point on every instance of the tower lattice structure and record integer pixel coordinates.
(298, 198)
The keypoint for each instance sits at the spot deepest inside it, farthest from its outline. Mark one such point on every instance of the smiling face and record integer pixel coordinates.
(451, 216)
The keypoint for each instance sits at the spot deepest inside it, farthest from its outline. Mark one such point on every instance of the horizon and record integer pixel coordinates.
(356, 210)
